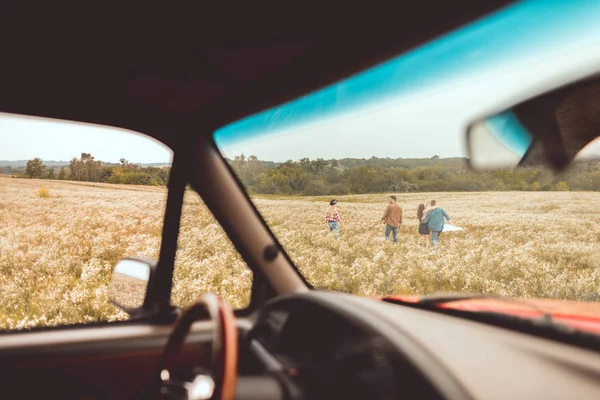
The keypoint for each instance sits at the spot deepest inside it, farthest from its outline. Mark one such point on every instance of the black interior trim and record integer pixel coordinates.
(396, 341)
(99, 348)
(257, 214)
(208, 152)
(159, 296)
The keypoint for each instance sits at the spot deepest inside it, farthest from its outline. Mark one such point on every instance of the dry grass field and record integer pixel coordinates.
(525, 244)
(58, 248)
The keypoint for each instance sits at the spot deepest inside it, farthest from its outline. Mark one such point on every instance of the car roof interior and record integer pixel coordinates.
(167, 73)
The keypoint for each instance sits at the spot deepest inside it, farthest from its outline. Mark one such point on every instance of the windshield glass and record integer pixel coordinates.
(366, 185)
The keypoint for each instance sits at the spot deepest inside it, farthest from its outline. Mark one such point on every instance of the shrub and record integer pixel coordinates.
(44, 193)
(562, 186)
(315, 188)
(549, 207)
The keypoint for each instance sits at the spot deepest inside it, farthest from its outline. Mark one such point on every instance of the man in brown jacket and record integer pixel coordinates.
(392, 217)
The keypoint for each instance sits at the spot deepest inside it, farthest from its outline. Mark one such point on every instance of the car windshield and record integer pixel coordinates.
(365, 182)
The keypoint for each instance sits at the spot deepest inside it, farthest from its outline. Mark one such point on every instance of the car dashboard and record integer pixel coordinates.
(333, 345)
(327, 355)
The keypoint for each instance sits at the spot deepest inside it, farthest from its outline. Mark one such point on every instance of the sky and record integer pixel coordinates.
(24, 138)
(421, 103)
(418, 104)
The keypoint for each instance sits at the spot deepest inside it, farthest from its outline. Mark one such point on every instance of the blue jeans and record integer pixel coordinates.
(434, 238)
(335, 227)
(388, 229)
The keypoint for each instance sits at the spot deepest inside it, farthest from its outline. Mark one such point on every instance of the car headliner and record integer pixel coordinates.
(185, 72)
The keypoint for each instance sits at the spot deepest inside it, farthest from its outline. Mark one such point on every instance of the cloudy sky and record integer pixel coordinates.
(24, 138)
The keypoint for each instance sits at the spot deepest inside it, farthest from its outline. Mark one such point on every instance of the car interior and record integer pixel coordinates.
(178, 76)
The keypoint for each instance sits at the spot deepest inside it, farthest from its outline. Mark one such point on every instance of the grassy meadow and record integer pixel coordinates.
(59, 242)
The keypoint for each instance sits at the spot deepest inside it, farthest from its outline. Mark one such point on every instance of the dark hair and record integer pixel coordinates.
(332, 202)
(432, 202)
(393, 197)
(420, 211)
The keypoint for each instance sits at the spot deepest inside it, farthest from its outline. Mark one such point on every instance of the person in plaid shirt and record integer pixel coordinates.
(332, 217)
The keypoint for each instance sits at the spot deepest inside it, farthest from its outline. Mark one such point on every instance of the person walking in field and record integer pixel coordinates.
(435, 222)
(332, 217)
(423, 228)
(429, 207)
(392, 218)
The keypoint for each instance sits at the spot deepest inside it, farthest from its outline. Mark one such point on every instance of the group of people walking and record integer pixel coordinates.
(431, 220)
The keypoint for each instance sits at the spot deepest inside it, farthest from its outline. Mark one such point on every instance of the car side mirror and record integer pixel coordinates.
(131, 280)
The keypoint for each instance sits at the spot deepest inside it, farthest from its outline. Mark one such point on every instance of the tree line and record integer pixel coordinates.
(336, 177)
(87, 169)
(379, 175)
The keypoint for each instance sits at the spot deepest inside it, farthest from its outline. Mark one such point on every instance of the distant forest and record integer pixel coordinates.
(86, 168)
(333, 177)
(379, 175)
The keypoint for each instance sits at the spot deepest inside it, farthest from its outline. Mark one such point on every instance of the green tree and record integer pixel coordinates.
(239, 162)
(86, 168)
(93, 167)
(376, 175)
(562, 186)
(359, 179)
(253, 169)
(49, 174)
(315, 188)
(319, 166)
(62, 174)
(78, 170)
(305, 164)
(35, 168)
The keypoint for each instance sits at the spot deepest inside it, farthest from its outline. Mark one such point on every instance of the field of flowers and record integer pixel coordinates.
(58, 247)
(525, 244)
(59, 242)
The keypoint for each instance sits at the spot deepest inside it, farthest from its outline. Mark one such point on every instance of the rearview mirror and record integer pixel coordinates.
(550, 129)
(129, 284)
(498, 141)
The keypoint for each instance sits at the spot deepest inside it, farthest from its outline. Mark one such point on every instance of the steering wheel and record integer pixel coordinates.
(224, 355)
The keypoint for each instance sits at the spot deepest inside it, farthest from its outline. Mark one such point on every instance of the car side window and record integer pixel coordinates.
(74, 200)
(206, 260)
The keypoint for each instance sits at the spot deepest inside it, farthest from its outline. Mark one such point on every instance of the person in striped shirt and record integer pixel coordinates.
(332, 217)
